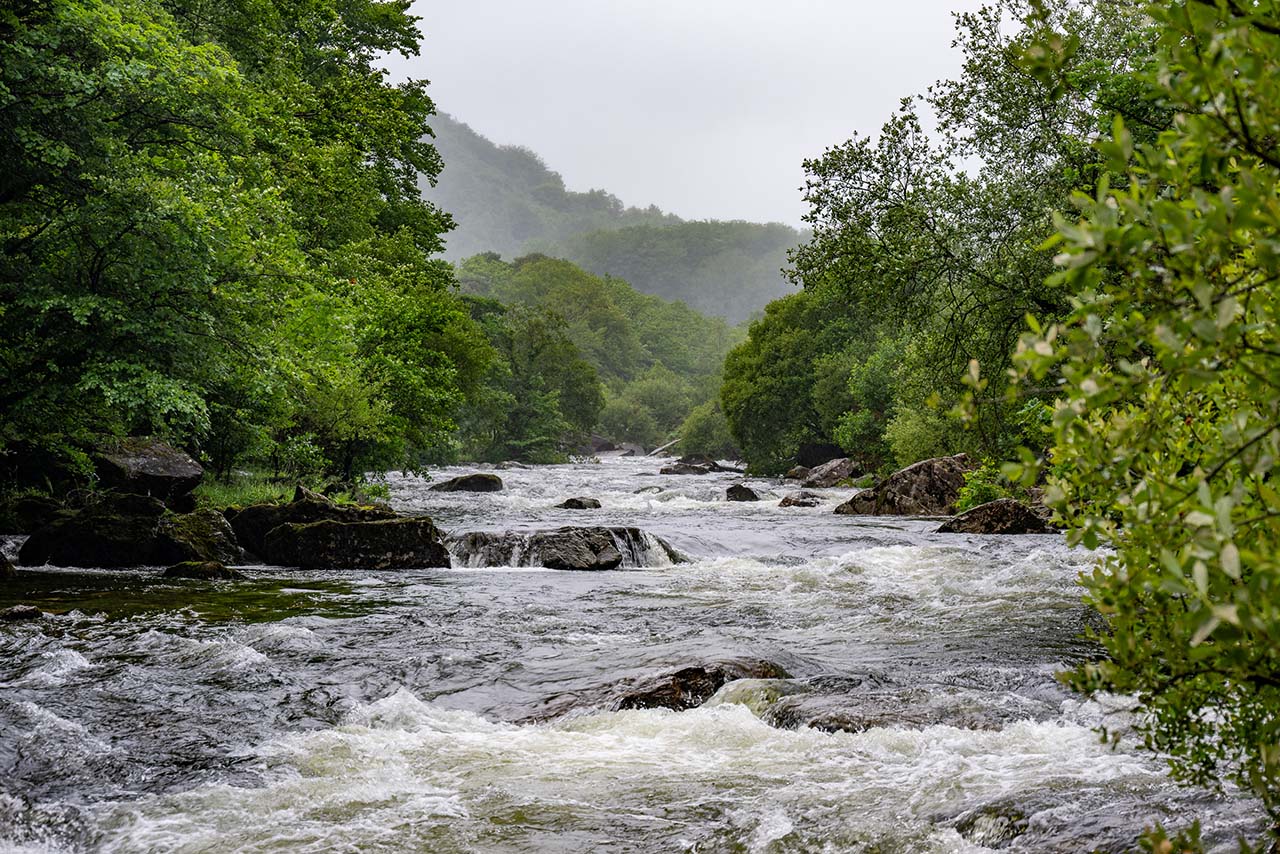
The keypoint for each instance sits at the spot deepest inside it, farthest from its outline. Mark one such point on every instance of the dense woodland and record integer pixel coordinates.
(213, 231)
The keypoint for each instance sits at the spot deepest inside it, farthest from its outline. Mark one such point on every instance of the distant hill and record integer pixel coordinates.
(505, 199)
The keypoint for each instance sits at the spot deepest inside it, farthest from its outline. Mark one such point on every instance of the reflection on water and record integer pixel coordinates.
(380, 712)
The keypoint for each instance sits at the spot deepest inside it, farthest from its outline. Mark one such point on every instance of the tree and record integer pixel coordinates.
(1167, 429)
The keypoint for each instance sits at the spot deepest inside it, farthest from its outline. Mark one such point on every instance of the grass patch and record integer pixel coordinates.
(241, 490)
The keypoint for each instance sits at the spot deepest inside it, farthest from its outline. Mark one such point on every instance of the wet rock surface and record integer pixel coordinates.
(1002, 516)
(20, 613)
(470, 483)
(252, 524)
(741, 492)
(800, 499)
(927, 488)
(146, 466)
(568, 548)
(7, 570)
(690, 687)
(831, 474)
(404, 543)
(579, 504)
(204, 535)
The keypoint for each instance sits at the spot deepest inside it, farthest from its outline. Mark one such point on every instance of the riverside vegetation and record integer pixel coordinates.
(214, 231)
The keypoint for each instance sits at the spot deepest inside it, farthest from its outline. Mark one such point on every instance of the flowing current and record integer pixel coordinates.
(468, 710)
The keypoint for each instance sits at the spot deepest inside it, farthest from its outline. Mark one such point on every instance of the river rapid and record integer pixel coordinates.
(466, 710)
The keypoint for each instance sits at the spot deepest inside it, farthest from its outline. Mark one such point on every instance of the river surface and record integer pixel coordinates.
(468, 710)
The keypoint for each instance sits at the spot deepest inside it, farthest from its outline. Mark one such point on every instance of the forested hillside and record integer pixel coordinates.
(505, 199)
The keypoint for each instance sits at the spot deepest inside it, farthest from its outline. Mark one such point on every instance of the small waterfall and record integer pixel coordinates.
(561, 548)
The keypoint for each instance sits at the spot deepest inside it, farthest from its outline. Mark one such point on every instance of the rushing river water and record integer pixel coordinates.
(461, 710)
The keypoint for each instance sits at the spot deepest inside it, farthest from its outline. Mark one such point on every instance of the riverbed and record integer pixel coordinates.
(467, 709)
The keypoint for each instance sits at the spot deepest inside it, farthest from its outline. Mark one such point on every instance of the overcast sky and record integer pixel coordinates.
(705, 108)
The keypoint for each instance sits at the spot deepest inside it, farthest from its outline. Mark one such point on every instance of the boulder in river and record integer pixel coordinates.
(741, 492)
(145, 466)
(570, 548)
(797, 473)
(470, 483)
(927, 488)
(684, 468)
(1002, 516)
(17, 613)
(401, 543)
(27, 513)
(7, 572)
(800, 499)
(579, 504)
(831, 474)
(202, 570)
(253, 523)
(690, 687)
(128, 530)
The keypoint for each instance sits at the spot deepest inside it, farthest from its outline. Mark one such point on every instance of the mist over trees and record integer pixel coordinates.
(505, 199)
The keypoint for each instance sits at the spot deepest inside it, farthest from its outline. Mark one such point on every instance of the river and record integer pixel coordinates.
(466, 710)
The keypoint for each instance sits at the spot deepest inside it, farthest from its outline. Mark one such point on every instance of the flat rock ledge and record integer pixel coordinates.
(1002, 516)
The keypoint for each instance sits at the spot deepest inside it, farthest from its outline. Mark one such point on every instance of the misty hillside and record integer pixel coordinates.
(505, 199)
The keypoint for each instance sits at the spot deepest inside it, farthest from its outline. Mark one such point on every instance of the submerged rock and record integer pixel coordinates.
(401, 543)
(579, 504)
(129, 530)
(145, 466)
(800, 499)
(202, 570)
(926, 488)
(1002, 516)
(741, 492)
(470, 483)
(690, 687)
(252, 524)
(569, 548)
(831, 474)
(17, 613)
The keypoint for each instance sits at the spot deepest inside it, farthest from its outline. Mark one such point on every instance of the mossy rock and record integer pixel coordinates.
(202, 570)
(404, 543)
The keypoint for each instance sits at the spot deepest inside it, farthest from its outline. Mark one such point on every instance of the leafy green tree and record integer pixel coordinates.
(706, 431)
(1167, 430)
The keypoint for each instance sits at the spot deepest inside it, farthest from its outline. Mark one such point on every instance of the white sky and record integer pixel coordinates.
(705, 108)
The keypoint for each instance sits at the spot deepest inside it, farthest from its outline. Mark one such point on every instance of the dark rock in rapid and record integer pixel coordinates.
(470, 483)
(1002, 516)
(697, 464)
(800, 499)
(253, 523)
(570, 548)
(926, 488)
(18, 613)
(993, 825)
(129, 530)
(150, 467)
(27, 513)
(7, 572)
(401, 543)
(579, 504)
(630, 449)
(741, 492)
(684, 468)
(831, 474)
(690, 687)
(647, 490)
(202, 570)
(797, 473)
(204, 535)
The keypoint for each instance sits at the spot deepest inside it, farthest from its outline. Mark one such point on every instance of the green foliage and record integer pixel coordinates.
(508, 201)
(1166, 436)
(986, 483)
(706, 431)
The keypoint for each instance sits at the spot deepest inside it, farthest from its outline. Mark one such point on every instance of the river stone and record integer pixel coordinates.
(27, 513)
(1002, 516)
(926, 488)
(741, 492)
(202, 570)
(17, 613)
(800, 499)
(568, 548)
(684, 468)
(797, 473)
(579, 504)
(690, 687)
(405, 543)
(113, 531)
(149, 467)
(252, 524)
(204, 535)
(470, 483)
(831, 474)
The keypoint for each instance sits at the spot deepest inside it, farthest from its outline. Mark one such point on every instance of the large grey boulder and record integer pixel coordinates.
(569, 548)
(927, 488)
(831, 474)
(404, 543)
(470, 483)
(144, 466)
(1002, 516)
(253, 523)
